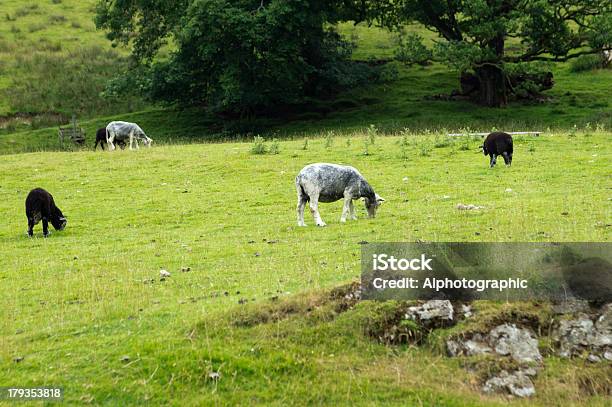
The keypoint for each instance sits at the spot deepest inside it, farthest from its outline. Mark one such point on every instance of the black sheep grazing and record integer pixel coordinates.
(40, 206)
(498, 143)
(101, 139)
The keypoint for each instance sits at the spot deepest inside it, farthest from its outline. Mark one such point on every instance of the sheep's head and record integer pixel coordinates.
(147, 141)
(372, 205)
(58, 220)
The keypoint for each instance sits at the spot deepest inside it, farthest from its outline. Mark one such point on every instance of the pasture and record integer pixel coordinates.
(85, 309)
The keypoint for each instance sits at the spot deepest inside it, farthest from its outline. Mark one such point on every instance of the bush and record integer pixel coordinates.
(410, 49)
(259, 146)
(587, 63)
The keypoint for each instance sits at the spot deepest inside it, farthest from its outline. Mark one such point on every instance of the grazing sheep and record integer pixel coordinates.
(124, 131)
(498, 143)
(40, 205)
(101, 139)
(329, 183)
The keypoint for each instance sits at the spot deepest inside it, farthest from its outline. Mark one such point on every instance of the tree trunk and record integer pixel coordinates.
(492, 86)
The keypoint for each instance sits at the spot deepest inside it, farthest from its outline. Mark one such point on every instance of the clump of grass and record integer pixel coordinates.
(32, 28)
(441, 142)
(329, 139)
(372, 132)
(348, 142)
(305, 145)
(366, 146)
(465, 146)
(424, 150)
(587, 63)
(259, 146)
(404, 147)
(274, 147)
(57, 19)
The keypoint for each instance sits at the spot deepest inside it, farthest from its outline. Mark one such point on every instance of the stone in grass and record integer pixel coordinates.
(163, 274)
(516, 383)
(518, 343)
(214, 376)
(435, 313)
(469, 207)
(125, 358)
(185, 269)
(503, 340)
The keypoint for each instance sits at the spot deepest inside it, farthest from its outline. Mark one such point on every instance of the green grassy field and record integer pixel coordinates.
(86, 310)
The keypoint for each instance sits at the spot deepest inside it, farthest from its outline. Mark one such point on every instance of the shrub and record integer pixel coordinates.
(587, 63)
(329, 139)
(259, 146)
(274, 147)
(410, 49)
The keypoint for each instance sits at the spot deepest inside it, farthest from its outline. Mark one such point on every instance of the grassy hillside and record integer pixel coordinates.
(53, 63)
(85, 308)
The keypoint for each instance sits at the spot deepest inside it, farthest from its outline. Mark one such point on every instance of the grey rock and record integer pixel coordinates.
(505, 340)
(466, 310)
(519, 343)
(434, 310)
(594, 358)
(516, 383)
(580, 335)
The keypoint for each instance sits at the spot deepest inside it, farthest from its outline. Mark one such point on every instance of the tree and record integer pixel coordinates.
(476, 35)
(235, 56)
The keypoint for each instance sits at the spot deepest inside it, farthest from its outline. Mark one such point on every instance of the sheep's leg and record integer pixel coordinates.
(493, 160)
(352, 210)
(137, 146)
(45, 223)
(301, 204)
(110, 137)
(31, 224)
(346, 208)
(507, 159)
(314, 209)
(131, 140)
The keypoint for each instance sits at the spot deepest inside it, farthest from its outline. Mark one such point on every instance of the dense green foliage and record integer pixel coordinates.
(484, 37)
(237, 56)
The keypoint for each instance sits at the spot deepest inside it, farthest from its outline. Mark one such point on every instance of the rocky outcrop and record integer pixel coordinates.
(585, 336)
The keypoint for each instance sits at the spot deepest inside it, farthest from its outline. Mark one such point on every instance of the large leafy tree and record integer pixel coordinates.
(239, 56)
(477, 33)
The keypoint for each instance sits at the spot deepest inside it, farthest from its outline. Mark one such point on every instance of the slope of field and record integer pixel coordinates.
(85, 309)
(54, 63)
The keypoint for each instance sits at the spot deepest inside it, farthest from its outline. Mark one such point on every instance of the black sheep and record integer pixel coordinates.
(40, 206)
(101, 139)
(498, 143)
